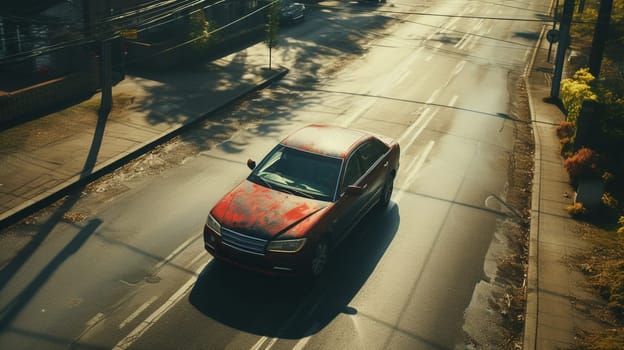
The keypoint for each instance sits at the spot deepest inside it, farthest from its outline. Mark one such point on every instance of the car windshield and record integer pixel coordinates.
(302, 173)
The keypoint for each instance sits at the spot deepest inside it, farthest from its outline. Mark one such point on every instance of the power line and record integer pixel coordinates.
(113, 34)
(199, 37)
(106, 34)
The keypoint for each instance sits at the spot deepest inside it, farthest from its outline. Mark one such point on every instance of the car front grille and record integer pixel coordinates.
(243, 242)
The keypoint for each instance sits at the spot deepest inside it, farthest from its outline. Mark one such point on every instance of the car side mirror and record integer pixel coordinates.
(251, 164)
(354, 190)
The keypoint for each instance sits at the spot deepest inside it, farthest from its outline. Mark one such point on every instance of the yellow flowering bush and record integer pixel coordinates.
(575, 90)
(576, 209)
(609, 201)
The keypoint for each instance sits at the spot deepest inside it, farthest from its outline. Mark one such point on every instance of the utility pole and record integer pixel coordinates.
(550, 42)
(600, 37)
(95, 13)
(564, 42)
(107, 69)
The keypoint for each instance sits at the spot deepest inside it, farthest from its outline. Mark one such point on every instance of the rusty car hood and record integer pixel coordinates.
(254, 209)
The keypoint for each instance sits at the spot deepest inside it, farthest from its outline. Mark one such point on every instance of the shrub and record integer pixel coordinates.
(582, 164)
(609, 201)
(565, 129)
(576, 209)
(566, 147)
(607, 177)
(621, 222)
(574, 91)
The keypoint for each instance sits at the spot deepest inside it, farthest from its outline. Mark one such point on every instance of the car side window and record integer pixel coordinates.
(370, 152)
(353, 171)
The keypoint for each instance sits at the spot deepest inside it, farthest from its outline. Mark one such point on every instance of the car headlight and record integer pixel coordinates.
(286, 245)
(213, 224)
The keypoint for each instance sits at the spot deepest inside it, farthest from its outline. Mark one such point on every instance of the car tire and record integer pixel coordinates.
(320, 258)
(386, 193)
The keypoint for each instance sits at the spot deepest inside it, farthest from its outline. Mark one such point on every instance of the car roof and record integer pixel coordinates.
(328, 140)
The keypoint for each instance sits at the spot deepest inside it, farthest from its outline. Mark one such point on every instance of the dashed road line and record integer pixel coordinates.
(137, 312)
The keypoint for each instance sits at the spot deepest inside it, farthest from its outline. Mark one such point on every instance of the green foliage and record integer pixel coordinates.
(612, 118)
(199, 32)
(609, 201)
(575, 90)
(272, 25)
(582, 32)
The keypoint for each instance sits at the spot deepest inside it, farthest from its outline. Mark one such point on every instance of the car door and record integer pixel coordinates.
(365, 167)
(374, 165)
(348, 206)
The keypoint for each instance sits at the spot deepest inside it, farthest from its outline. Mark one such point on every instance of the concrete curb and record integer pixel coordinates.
(532, 301)
(15, 214)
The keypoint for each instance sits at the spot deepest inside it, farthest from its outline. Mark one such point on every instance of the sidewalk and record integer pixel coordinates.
(45, 158)
(555, 290)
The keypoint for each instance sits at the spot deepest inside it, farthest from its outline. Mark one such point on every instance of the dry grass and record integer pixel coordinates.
(603, 264)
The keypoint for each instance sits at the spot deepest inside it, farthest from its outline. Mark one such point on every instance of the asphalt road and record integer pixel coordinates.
(411, 278)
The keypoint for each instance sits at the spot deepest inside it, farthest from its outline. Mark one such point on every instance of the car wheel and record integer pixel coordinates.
(320, 258)
(386, 193)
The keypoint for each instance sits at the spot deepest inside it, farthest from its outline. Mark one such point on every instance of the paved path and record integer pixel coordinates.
(46, 157)
(554, 287)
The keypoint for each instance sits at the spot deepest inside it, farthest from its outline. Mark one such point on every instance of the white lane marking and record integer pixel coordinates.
(403, 77)
(429, 58)
(95, 319)
(271, 343)
(478, 25)
(433, 96)
(413, 170)
(137, 312)
(177, 251)
(360, 111)
(426, 119)
(303, 341)
(298, 313)
(466, 42)
(458, 68)
(196, 259)
(453, 101)
(127, 341)
(474, 43)
(89, 324)
(451, 24)
(409, 130)
(259, 343)
(461, 41)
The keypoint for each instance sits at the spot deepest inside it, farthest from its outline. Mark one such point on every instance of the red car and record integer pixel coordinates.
(302, 200)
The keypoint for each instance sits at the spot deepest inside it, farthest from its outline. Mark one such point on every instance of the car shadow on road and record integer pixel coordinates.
(292, 308)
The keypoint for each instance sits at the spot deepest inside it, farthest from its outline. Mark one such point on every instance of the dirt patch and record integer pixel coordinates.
(512, 268)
